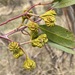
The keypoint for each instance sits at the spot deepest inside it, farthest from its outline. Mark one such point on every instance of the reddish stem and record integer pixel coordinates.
(16, 30)
(25, 43)
(39, 4)
(13, 19)
(5, 37)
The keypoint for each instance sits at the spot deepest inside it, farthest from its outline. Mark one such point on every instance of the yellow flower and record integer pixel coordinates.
(43, 37)
(13, 46)
(40, 41)
(37, 42)
(49, 18)
(29, 64)
(33, 26)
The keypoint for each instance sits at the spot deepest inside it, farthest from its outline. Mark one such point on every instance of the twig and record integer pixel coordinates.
(39, 4)
(13, 18)
(25, 43)
(33, 14)
(5, 37)
(26, 32)
(38, 20)
(15, 30)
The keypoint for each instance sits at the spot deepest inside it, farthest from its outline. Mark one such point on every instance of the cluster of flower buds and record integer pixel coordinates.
(29, 64)
(40, 40)
(15, 48)
(49, 17)
(33, 27)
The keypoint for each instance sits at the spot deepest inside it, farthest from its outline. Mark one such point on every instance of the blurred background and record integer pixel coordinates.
(50, 61)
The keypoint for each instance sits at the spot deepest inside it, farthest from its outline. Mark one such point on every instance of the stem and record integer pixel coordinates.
(38, 20)
(26, 32)
(39, 4)
(34, 15)
(15, 30)
(13, 19)
(5, 37)
(24, 52)
(25, 43)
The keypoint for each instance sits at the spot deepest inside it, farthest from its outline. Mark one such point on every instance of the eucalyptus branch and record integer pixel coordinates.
(16, 17)
(5, 36)
(13, 18)
(39, 4)
(15, 30)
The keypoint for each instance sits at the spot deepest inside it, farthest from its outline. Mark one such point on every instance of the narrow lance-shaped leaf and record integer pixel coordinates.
(59, 35)
(62, 48)
(63, 3)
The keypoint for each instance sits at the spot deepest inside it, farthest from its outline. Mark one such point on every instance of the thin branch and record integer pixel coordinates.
(26, 32)
(23, 51)
(38, 20)
(33, 14)
(13, 18)
(5, 37)
(15, 30)
(39, 4)
(25, 43)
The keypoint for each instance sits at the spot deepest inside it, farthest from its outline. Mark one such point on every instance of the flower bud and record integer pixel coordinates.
(49, 18)
(43, 37)
(40, 41)
(33, 26)
(13, 46)
(29, 64)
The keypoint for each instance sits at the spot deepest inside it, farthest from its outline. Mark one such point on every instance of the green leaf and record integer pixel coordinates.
(63, 3)
(65, 49)
(59, 35)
